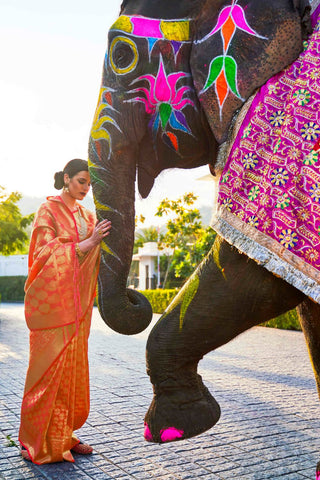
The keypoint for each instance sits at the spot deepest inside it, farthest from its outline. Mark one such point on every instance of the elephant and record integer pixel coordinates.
(177, 76)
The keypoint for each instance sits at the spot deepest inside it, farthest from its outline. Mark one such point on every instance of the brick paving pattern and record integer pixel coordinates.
(263, 380)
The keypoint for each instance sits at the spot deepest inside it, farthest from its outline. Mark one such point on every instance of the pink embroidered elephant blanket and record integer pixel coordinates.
(269, 192)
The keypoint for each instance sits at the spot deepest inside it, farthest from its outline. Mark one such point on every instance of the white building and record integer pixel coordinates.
(13, 265)
(148, 257)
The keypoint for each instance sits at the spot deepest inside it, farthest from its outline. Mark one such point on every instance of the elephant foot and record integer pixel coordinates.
(179, 411)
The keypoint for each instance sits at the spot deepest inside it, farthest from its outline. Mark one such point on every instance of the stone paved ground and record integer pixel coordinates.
(269, 428)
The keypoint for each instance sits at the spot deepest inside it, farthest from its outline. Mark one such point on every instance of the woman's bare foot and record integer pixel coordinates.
(82, 449)
(25, 455)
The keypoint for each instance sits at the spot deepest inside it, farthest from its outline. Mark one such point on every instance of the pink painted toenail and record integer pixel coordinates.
(170, 434)
(318, 475)
(147, 433)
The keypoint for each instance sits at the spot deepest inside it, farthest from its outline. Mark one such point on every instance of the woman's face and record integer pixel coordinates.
(79, 185)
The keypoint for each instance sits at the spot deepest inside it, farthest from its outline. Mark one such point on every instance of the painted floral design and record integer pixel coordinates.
(315, 192)
(288, 120)
(277, 118)
(301, 96)
(250, 160)
(227, 203)
(254, 192)
(273, 88)
(103, 118)
(279, 177)
(311, 158)
(223, 68)
(288, 238)
(264, 199)
(164, 101)
(294, 153)
(246, 131)
(283, 201)
(263, 138)
(310, 131)
(312, 255)
(303, 214)
(253, 221)
(315, 74)
(225, 178)
(266, 224)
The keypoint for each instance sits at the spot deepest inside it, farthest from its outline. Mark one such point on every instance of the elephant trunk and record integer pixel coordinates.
(113, 181)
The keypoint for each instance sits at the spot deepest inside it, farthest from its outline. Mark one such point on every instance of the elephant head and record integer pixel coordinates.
(174, 76)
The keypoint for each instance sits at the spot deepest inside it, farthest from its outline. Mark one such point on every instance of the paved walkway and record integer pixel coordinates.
(269, 427)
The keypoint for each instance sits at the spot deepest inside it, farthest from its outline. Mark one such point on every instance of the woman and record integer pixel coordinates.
(60, 290)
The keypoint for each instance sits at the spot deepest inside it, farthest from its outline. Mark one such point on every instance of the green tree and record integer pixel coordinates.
(186, 235)
(13, 235)
(146, 234)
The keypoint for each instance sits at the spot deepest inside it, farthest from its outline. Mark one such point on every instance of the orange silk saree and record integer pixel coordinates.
(60, 291)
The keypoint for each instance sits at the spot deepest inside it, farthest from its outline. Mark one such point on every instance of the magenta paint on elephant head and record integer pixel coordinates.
(162, 91)
(146, 27)
(154, 29)
(222, 74)
(165, 100)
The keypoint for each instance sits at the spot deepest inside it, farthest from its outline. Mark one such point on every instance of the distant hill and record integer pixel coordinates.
(29, 205)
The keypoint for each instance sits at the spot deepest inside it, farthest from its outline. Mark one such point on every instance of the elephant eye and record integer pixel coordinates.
(123, 55)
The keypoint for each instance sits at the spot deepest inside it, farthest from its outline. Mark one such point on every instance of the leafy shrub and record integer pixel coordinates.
(12, 288)
(287, 321)
(159, 298)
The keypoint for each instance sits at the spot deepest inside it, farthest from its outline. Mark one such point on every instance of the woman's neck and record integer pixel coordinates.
(69, 201)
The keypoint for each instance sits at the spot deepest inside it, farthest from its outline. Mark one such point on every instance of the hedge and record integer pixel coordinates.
(160, 299)
(12, 288)
(287, 321)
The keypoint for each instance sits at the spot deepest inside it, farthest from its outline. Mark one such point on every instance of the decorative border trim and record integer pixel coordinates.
(268, 253)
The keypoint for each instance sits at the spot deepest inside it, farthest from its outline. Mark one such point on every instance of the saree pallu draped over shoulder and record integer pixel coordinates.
(60, 291)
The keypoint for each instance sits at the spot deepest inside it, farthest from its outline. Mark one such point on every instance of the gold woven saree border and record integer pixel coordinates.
(268, 253)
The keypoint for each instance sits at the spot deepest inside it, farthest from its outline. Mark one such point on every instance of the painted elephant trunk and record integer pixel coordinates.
(113, 181)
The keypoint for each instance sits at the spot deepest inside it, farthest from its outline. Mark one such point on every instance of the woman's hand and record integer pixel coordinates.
(101, 230)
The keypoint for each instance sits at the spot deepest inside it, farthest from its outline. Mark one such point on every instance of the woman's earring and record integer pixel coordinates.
(66, 189)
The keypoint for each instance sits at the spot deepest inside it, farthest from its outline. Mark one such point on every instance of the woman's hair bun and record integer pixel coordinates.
(59, 180)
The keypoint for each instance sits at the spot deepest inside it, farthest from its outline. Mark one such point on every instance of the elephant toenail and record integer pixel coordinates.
(170, 434)
(147, 433)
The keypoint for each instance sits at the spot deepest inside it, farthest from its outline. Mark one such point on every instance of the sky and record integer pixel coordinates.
(51, 59)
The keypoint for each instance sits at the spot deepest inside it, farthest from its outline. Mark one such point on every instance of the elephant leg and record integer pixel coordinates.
(309, 315)
(225, 296)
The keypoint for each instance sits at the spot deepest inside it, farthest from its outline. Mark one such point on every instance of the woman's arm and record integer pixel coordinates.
(101, 230)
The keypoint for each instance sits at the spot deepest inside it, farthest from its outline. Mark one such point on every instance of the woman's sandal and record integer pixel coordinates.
(82, 449)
